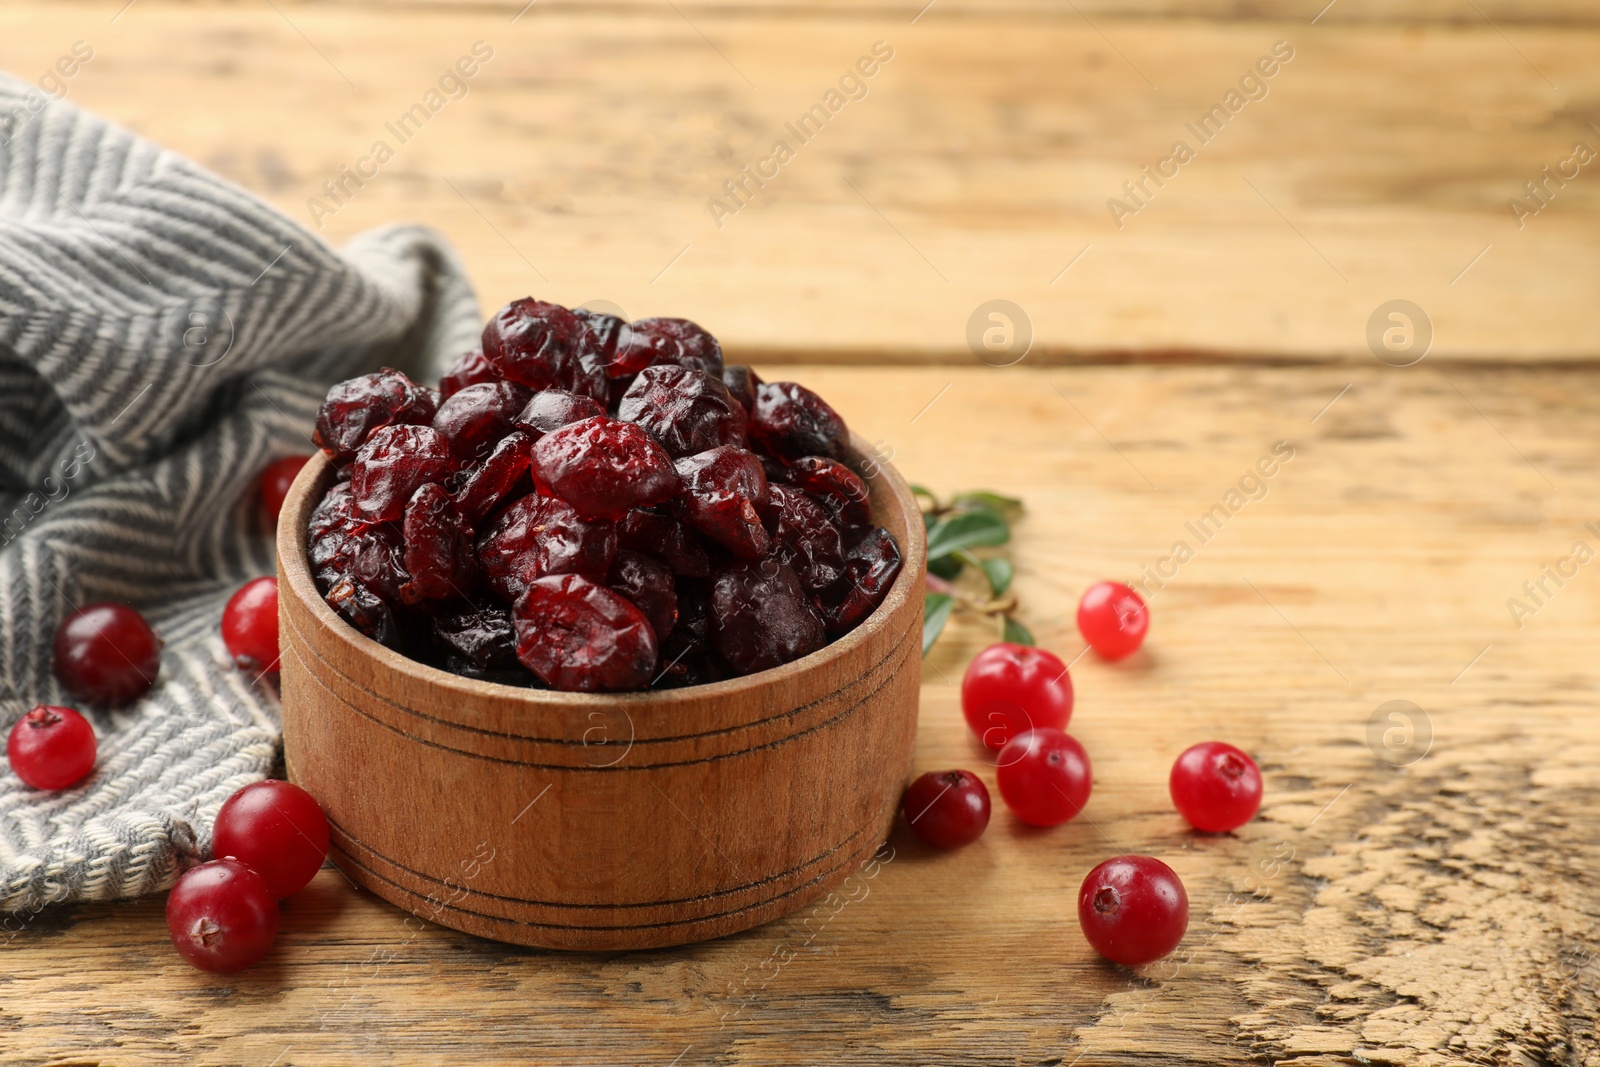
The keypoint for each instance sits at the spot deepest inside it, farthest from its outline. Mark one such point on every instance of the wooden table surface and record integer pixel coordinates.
(1439, 912)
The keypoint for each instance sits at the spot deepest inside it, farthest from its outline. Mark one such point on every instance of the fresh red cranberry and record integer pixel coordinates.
(222, 916)
(871, 564)
(947, 809)
(604, 467)
(789, 421)
(582, 637)
(836, 486)
(276, 480)
(552, 409)
(533, 343)
(742, 383)
(761, 616)
(804, 537)
(1044, 776)
(650, 342)
(106, 654)
(395, 462)
(51, 747)
(648, 585)
(1009, 689)
(498, 478)
(1216, 787)
(250, 626)
(473, 368)
(538, 536)
(439, 552)
(667, 539)
(686, 410)
(355, 409)
(1133, 909)
(277, 830)
(724, 490)
(476, 418)
(1113, 619)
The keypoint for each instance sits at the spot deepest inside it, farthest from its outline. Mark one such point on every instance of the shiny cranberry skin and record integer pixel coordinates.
(1216, 787)
(947, 809)
(835, 486)
(1133, 909)
(554, 408)
(472, 368)
(533, 343)
(600, 333)
(789, 421)
(222, 917)
(667, 539)
(1044, 776)
(1009, 689)
(724, 490)
(498, 478)
(51, 747)
(804, 537)
(648, 585)
(439, 553)
(250, 626)
(277, 830)
(483, 637)
(1113, 619)
(649, 342)
(276, 480)
(742, 383)
(604, 467)
(355, 409)
(476, 418)
(106, 654)
(761, 616)
(395, 462)
(686, 410)
(538, 536)
(582, 637)
(871, 564)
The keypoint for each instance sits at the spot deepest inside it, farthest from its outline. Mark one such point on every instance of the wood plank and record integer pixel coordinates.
(1443, 912)
(978, 167)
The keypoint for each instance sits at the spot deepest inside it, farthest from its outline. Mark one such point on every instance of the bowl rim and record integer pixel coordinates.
(294, 566)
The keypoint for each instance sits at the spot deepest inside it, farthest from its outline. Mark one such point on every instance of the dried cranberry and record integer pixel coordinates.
(871, 564)
(483, 487)
(533, 343)
(597, 350)
(375, 556)
(365, 610)
(649, 342)
(723, 490)
(395, 462)
(647, 583)
(356, 408)
(331, 526)
(540, 535)
(482, 636)
(665, 538)
(438, 548)
(477, 417)
(603, 467)
(742, 383)
(579, 636)
(686, 655)
(471, 369)
(688, 411)
(790, 421)
(836, 486)
(554, 408)
(761, 616)
(804, 537)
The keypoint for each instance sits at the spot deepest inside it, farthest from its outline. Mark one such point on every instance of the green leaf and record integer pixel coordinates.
(1014, 632)
(936, 608)
(999, 572)
(922, 490)
(985, 500)
(946, 567)
(967, 530)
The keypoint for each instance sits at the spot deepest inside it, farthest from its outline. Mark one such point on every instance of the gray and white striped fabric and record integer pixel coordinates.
(163, 336)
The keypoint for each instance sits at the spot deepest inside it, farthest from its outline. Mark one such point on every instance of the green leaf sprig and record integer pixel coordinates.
(957, 530)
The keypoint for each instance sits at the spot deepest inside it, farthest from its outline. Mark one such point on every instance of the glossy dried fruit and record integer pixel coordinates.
(871, 564)
(686, 410)
(648, 585)
(648, 342)
(355, 409)
(472, 368)
(667, 539)
(395, 462)
(582, 637)
(597, 350)
(804, 536)
(790, 421)
(484, 637)
(363, 609)
(538, 536)
(502, 476)
(742, 383)
(478, 416)
(723, 491)
(835, 486)
(554, 408)
(603, 467)
(761, 616)
(533, 343)
(438, 548)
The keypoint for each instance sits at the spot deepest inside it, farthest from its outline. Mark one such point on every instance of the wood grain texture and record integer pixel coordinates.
(979, 166)
(1444, 912)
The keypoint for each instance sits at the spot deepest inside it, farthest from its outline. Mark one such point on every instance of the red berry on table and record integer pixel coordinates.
(250, 626)
(276, 480)
(1133, 909)
(947, 809)
(1009, 689)
(222, 916)
(51, 747)
(277, 830)
(1113, 619)
(106, 654)
(1044, 776)
(1216, 787)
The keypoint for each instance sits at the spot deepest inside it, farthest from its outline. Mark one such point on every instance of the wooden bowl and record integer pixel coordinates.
(588, 821)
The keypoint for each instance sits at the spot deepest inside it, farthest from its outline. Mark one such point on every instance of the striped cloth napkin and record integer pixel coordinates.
(163, 336)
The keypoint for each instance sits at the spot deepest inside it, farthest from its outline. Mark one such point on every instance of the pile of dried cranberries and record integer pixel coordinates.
(594, 505)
